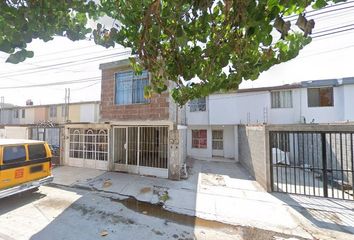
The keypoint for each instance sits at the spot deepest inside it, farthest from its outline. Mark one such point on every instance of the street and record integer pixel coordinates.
(68, 213)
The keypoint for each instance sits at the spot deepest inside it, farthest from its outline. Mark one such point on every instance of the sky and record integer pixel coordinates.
(63, 60)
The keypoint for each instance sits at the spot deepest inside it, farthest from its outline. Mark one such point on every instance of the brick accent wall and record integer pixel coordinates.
(156, 109)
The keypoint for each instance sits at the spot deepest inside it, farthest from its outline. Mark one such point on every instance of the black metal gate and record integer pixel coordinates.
(312, 163)
(51, 134)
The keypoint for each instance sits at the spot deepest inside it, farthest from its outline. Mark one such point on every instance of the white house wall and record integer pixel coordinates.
(348, 102)
(238, 108)
(285, 115)
(199, 152)
(324, 114)
(88, 113)
(229, 142)
(230, 149)
(198, 118)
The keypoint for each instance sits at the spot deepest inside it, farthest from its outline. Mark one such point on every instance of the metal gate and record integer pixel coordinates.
(88, 148)
(312, 163)
(51, 134)
(141, 150)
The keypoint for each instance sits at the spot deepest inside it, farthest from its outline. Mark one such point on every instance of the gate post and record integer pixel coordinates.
(324, 164)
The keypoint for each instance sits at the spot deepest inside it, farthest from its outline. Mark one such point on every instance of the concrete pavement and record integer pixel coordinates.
(224, 192)
(61, 213)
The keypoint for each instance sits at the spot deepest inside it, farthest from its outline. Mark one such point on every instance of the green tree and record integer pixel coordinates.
(218, 42)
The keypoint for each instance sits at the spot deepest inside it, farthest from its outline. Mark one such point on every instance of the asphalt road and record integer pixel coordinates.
(66, 213)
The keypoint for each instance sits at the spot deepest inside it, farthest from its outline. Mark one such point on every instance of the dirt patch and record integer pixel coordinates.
(54, 203)
(107, 184)
(157, 232)
(213, 180)
(145, 190)
(91, 212)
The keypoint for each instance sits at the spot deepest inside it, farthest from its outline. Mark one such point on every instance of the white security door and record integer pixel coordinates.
(218, 143)
(88, 148)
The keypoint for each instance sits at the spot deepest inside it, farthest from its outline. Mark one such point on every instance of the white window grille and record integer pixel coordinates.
(89, 144)
(130, 87)
(199, 138)
(197, 105)
(282, 99)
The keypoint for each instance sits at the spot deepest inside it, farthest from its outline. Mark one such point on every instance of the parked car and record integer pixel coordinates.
(24, 165)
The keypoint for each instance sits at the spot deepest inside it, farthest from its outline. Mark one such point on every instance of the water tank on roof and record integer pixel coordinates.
(29, 102)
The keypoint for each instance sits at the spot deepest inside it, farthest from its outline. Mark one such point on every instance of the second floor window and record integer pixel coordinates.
(130, 87)
(53, 111)
(282, 99)
(23, 113)
(320, 97)
(16, 114)
(197, 105)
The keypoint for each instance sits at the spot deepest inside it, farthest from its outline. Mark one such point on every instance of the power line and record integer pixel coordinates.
(78, 55)
(332, 29)
(72, 63)
(335, 32)
(319, 10)
(93, 79)
(77, 89)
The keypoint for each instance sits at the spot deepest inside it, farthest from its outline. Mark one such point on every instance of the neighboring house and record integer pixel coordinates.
(136, 135)
(55, 113)
(212, 121)
(45, 122)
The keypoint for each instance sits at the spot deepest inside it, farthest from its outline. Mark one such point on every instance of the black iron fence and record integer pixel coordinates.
(312, 163)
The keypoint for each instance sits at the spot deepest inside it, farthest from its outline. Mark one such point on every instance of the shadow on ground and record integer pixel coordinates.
(325, 213)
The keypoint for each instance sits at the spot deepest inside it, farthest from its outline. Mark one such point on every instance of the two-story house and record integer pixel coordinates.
(136, 134)
(212, 121)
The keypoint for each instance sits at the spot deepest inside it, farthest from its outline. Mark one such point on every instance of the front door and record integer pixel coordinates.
(126, 149)
(141, 149)
(218, 143)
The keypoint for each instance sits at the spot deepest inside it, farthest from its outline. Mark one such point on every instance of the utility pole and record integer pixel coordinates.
(67, 102)
(2, 105)
(2, 101)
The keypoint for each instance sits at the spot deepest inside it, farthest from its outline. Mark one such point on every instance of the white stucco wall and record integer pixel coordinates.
(29, 116)
(16, 132)
(348, 91)
(286, 115)
(230, 148)
(324, 114)
(88, 113)
(198, 118)
(238, 108)
(199, 153)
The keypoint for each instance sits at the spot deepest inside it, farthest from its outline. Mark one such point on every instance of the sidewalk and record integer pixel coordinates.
(224, 192)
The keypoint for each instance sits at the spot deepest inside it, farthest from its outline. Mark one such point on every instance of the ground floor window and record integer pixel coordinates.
(89, 144)
(199, 138)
